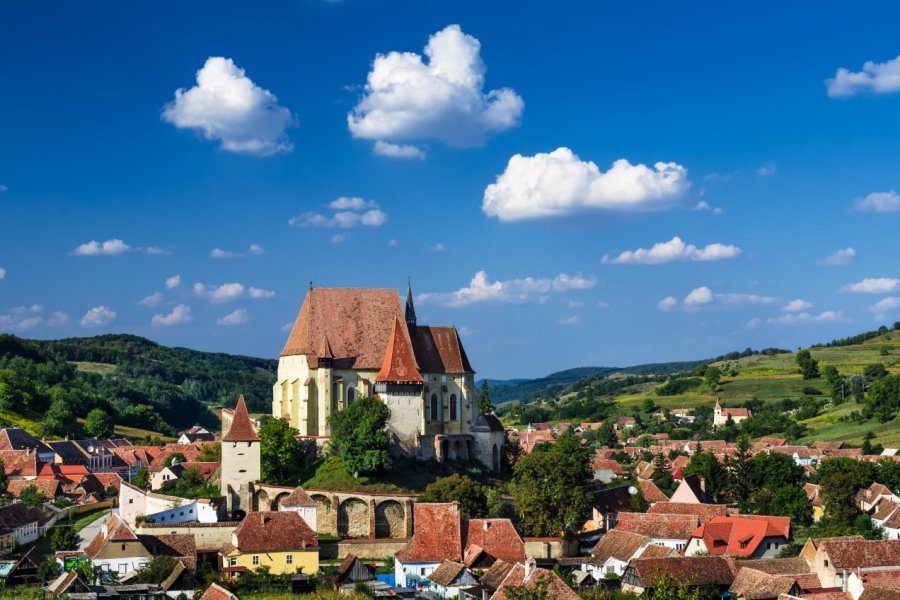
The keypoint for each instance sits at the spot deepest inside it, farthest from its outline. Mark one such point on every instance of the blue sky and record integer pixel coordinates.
(480, 163)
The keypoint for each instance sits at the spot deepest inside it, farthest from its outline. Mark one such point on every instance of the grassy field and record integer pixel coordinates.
(94, 367)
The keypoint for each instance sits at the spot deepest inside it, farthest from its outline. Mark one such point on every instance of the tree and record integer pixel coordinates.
(156, 570)
(63, 537)
(47, 571)
(175, 457)
(281, 453)
(58, 420)
(809, 367)
(638, 502)
(831, 375)
(740, 475)
(484, 398)
(458, 488)
(838, 490)
(210, 452)
(549, 493)
(708, 467)
(665, 587)
(713, 375)
(141, 478)
(606, 435)
(358, 435)
(99, 424)
(4, 480)
(32, 497)
(875, 371)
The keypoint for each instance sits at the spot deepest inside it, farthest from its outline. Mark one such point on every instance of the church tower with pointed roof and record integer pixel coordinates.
(240, 461)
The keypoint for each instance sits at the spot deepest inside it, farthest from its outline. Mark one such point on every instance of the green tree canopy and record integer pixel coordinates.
(99, 424)
(63, 537)
(32, 497)
(281, 453)
(707, 466)
(458, 488)
(359, 437)
(809, 367)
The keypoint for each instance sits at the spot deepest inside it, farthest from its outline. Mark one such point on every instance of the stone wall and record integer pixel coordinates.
(550, 548)
(362, 548)
(372, 516)
(208, 536)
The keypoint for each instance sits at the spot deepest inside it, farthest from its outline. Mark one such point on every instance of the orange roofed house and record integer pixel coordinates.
(443, 535)
(353, 342)
(741, 536)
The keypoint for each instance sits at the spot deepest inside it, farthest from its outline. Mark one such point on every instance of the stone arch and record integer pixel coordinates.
(460, 451)
(262, 500)
(277, 500)
(389, 519)
(324, 521)
(353, 519)
(495, 458)
(351, 395)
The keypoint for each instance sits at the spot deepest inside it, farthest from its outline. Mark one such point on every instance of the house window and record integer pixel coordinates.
(255, 559)
(289, 559)
(123, 546)
(422, 571)
(233, 561)
(453, 415)
(435, 405)
(123, 568)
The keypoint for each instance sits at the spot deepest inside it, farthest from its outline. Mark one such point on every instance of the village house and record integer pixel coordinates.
(443, 535)
(669, 530)
(16, 438)
(301, 503)
(20, 464)
(691, 490)
(812, 494)
(116, 548)
(280, 541)
(740, 536)
(615, 550)
(606, 470)
(721, 415)
(449, 578)
(868, 498)
(135, 503)
(169, 476)
(19, 526)
(750, 584)
(696, 571)
(835, 559)
(527, 575)
(217, 592)
(195, 434)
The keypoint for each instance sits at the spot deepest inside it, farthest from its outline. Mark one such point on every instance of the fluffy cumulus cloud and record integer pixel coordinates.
(674, 250)
(482, 290)
(24, 318)
(876, 78)
(796, 306)
(797, 318)
(397, 150)
(704, 296)
(98, 317)
(878, 202)
(560, 183)
(345, 213)
(227, 106)
(229, 292)
(180, 314)
(236, 317)
(114, 247)
(873, 285)
(438, 96)
(173, 282)
(704, 205)
(152, 300)
(885, 305)
(840, 258)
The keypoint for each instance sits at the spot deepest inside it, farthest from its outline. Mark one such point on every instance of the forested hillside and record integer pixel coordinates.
(137, 382)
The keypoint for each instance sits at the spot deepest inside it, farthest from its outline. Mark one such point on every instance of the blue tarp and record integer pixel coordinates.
(388, 578)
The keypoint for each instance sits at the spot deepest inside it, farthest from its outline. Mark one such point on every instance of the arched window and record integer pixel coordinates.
(351, 395)
(435, 408)
(453, 415)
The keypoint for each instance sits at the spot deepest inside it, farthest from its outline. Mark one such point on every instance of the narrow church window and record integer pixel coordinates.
(351, 396)
(434, 407)
(453, 415)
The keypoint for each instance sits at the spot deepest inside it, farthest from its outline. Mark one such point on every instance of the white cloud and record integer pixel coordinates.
(672, 251)
(704, 205)
(798, 305)
(667, 303)
(349, 212)
(180, 314)
(408, 98)
(227, 106)
(393, 243)
(481, 289)
(339, 238)
(98, 317)
(877, 78)
(219, 253)
(58, 319)
(152, 300)
(560, 183)
(287, 326)
(573, 320)
(698, 296)
(873, 285)
(827, 316)
(173, 282)
(256, 250)
(767, 170)
(753, 323)
(397, 150)
(2, 273)
(236, 317)
(114, 247)
(439, 247)
(229, 292)
(878, 202)
(603, 305)
(885, 305)
(23, 318)
(3, 188)
(575, 304)
(840, 258)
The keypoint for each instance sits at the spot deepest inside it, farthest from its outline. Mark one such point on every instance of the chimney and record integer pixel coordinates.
(703, 483)
(486, 525)
(529, 567)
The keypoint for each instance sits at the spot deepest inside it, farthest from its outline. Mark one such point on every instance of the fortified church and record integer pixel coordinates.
(353, 342)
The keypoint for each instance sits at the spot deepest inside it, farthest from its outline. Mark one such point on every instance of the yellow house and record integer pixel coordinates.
(281, 541)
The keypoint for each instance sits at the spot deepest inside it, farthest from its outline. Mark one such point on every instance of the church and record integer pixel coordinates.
(353, 342)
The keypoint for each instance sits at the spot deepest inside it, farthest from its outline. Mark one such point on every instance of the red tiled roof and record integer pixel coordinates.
(48, 487)
(439, 350)
(889, 580)
(518, 577)
(273, 532)
(298, 498)
(399, 362)
(497, 537)
(114, 530)
(703, 512)
(217, 592)
(602, 464)
(853, 554)
(357, 322)
(241, 429)
(651, 491)
(740, 536)
(618, 544)
(19, 463)
(438, 534)
(695, 570)
(658, 526)
(180, 545)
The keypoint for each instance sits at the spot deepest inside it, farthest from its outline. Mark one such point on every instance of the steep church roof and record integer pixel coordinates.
(241, 429)
(399, 363)
(357, 322)
(439, 350)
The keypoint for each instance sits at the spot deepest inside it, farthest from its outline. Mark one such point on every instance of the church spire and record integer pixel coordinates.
(410, 310)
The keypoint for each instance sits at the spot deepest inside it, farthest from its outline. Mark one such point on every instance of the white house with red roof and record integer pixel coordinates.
(443, 535)
(741, 536)
(721, 415)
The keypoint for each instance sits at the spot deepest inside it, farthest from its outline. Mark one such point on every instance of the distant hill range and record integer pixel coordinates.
(523, 390)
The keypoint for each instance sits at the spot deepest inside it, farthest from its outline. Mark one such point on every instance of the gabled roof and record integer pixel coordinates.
(652, 493)
(853, 554)
(619, 544)
(741, 536)
(438, 534)
(179, 545)
(446, 573)
(241, 429)
(114, 530)
(217, 592)
(399, 363)
(297, 498)
(48, 487)
(655, 551)
(19, 463)
(16, 438)
(529, 578)
(876, 593)
(495, 574)
(274, 532)
(13, 516)
(751, 584)
(693, 570)
(779, 566)
(357, 322)
(657, 526)
(496, 537)
(439, 350)
(703, 512)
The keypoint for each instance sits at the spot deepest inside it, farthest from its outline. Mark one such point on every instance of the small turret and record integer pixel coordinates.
(410, 311)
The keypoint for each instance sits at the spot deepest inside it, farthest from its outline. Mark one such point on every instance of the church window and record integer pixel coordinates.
(351, 395)
(434, 408)
(453, 415)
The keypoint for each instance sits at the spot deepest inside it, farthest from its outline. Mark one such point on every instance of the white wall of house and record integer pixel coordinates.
(120, 566)
(411, 574)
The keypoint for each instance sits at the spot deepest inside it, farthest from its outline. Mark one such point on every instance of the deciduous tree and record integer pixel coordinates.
(358, 435)
(281, 453)
(458, 488)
